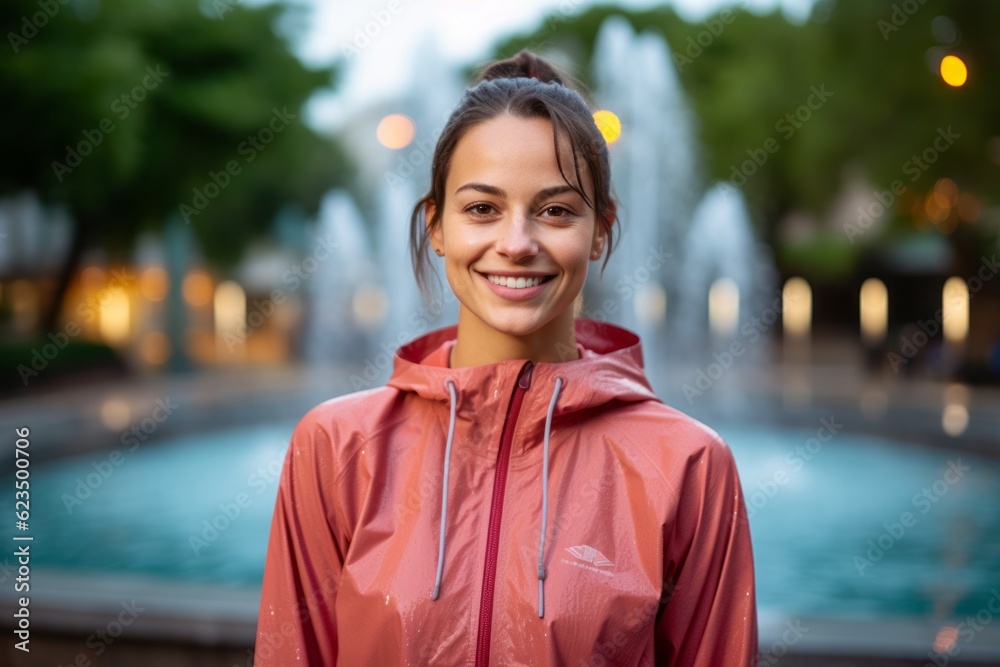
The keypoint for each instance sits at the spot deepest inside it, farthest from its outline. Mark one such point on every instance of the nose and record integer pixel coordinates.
(516, 237)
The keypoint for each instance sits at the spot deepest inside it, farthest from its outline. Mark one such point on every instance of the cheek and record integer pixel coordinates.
(458, 255)
(575, 256)
(459, 239)
(457, 272)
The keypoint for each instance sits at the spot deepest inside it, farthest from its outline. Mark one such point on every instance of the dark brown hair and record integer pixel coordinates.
(525, 86)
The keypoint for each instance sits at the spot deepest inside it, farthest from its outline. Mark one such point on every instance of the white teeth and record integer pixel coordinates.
(516, 283)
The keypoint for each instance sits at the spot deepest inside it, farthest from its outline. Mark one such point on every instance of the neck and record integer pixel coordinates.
(478, 343)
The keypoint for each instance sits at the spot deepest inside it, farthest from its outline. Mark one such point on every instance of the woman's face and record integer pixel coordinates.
(509, 220)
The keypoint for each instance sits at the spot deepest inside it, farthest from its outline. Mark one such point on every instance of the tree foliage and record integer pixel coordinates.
(161, 96)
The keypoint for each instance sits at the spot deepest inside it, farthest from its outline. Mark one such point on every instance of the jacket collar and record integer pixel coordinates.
(610, 368)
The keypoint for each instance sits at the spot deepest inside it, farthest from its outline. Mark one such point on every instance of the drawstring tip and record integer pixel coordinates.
(541, 591)
(437, 591)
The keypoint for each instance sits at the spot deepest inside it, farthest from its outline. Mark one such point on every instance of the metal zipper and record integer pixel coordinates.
(496, 512)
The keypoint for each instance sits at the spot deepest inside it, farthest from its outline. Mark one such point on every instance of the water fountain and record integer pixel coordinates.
(337, 327)
(383, 308)
(720, 258)
(392, 238)
(657, 175)
(654, 167)
(718, 245)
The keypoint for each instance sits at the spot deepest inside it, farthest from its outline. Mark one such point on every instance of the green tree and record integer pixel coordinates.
(122, 110)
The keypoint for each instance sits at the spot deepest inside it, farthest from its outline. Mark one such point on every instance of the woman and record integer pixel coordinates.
(516, 494)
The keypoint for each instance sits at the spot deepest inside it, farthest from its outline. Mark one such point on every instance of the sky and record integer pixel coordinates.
(463, 30)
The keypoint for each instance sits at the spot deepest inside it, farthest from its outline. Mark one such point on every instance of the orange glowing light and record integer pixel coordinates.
(198, 288)
(945, 639)
(948, 189)
(953, 71)
(115, 316)
(395, 131)
(154, 283)
(937, 207)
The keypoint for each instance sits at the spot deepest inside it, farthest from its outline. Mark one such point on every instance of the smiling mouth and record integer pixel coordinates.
(517, 283)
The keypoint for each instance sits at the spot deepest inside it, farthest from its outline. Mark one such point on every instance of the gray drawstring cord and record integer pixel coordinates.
(545, 498)
(444, 488)
(545, 493)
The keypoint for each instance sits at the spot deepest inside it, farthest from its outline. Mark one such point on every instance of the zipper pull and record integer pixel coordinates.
(525, 380)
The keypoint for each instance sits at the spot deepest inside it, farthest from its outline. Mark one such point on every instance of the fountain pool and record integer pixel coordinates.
(823, 517)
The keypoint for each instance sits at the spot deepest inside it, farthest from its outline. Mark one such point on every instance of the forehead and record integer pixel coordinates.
(513, 153)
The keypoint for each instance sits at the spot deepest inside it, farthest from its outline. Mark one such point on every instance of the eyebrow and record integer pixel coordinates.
(498, 192)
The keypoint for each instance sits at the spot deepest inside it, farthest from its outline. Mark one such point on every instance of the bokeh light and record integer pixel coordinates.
(609, 124)
(724, 307)
(115, 414)
(874, 303)
(154, 283)
(955, 309)
(369, 305)
(198, 288)
(115, 317)
(953, 71)
(650, 303)
(230, 306)
(395, 131)
(796, 299)
(955, 415)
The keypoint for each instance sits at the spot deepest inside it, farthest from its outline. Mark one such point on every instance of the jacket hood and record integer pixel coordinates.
(610, 367)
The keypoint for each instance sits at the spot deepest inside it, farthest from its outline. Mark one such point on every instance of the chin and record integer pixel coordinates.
(523, 325)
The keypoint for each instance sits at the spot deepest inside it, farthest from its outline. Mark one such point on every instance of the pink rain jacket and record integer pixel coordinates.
(513, 513)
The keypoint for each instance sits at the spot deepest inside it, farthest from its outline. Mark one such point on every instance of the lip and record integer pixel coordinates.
(513, 294)
(516, 274)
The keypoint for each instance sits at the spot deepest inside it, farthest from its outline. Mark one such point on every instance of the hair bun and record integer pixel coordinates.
(524, 64)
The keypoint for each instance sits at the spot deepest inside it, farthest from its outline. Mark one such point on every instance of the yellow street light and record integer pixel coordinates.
(953, 71)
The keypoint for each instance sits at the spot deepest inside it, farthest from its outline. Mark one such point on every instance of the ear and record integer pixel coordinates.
(597, 247)
(600, 237)
(435, 236)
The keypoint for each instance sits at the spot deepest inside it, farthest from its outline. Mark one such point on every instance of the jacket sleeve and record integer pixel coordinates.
(710, 615)
(305, 554)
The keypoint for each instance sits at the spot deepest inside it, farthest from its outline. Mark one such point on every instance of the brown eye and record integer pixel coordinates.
(481, 210)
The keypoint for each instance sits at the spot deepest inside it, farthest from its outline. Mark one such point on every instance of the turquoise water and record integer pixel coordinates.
(199, 509)
(865, 527)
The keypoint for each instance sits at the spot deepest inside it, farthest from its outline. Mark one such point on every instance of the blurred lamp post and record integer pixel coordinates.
(796, 310)
(954, 320)
(796, 318)
(874, 304)
(955, 310)
(115, 316)
(230, 308)
(723, 308)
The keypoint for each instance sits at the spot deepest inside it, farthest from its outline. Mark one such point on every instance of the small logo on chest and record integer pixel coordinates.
(590, 555)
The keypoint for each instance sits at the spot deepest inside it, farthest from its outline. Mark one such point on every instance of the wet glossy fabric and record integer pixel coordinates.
(647, 551)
